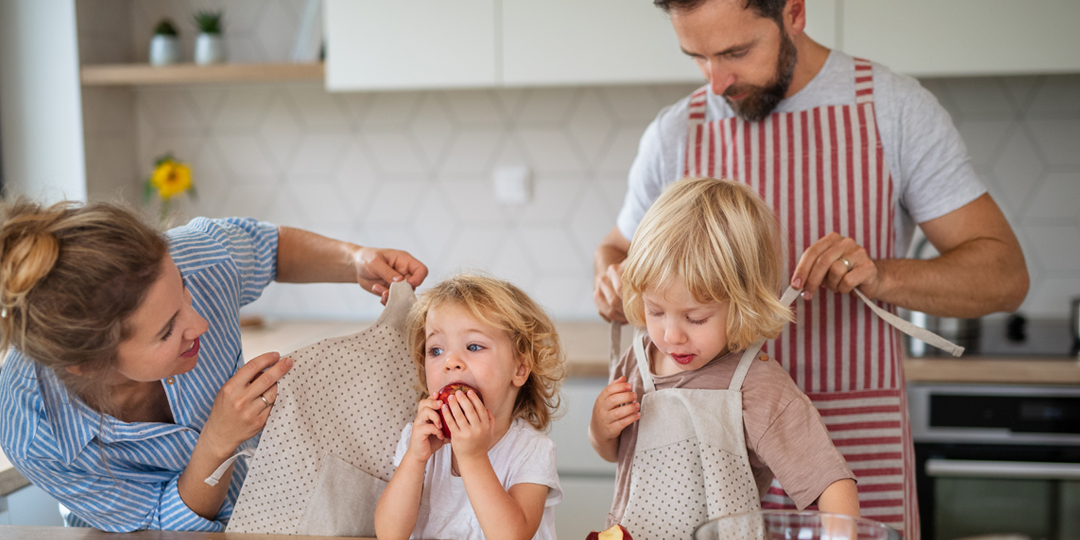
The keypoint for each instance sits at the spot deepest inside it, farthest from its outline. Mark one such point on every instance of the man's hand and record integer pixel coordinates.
(839, 264)
(607, 269)
(607, 294)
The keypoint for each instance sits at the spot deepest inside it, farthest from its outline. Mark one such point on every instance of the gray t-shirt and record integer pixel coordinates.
(930, 166)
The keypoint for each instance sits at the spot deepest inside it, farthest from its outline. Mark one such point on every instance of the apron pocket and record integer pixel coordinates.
(343, 502)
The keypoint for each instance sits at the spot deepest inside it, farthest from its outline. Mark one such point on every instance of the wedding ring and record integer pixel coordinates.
(262, 397)
(847, 263)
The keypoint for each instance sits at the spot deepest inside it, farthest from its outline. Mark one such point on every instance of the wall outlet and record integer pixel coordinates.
(513, 185)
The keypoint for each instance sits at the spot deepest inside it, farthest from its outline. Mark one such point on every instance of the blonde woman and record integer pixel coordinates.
(125, 386)
(495, 475)
(697, 420)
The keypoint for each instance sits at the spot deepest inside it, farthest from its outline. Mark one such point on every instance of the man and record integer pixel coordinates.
(851, 157)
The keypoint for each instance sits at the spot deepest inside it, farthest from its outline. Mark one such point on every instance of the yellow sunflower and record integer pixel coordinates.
(171, 178)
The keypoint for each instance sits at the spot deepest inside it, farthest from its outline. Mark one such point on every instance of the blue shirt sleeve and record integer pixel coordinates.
(251, 246)
(113, 504)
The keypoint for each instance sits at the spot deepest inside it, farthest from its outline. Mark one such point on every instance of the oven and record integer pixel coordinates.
(997, 459)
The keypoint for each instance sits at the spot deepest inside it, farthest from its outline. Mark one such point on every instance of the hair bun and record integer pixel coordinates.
(28, 252)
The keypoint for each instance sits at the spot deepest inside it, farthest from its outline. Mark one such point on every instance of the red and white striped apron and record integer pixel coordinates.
(823, 170)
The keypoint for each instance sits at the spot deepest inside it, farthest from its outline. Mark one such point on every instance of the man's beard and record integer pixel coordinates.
(761, 100)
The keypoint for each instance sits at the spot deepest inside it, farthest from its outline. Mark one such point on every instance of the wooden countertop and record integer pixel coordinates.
(586, 346)
(23, 532)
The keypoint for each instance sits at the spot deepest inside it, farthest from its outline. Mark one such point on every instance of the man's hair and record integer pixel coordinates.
(500, 304)
(721, 241)
(771, 9)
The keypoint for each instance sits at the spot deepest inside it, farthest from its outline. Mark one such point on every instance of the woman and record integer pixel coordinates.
(125, 386)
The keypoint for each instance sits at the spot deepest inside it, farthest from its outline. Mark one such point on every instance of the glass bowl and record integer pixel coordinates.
(793, 525)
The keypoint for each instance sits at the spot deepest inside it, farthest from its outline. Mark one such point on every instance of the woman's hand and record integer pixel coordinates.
(377, 268)
(472, 427)
(427, 436)
(243, 404)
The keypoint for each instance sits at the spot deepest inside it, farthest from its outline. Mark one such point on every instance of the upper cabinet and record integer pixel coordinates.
(964, 37)
(407, 44)
(551, 42)
(381, 45)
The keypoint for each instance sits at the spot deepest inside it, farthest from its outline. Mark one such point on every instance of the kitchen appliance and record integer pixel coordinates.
(792, 525)
(997, 459)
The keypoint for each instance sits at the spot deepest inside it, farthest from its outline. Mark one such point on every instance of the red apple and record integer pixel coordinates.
(618, 532)
(445, 394)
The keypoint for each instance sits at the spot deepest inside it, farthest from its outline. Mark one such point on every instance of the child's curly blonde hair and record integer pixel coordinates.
(500, 304)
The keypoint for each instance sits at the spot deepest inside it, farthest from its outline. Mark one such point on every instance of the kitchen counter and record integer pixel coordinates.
(82, 533)
(586, 346)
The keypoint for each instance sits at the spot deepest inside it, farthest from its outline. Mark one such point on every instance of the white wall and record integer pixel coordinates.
(40, 106)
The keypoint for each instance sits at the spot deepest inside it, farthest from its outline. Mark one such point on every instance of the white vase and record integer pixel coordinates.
(209, 49)
(164, 50)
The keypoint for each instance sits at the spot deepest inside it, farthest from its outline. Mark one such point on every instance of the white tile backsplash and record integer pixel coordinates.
(412, 170)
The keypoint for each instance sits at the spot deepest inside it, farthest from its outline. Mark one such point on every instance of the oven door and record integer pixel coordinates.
(974, 489)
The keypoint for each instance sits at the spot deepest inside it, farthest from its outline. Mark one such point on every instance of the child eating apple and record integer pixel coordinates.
(471, 467)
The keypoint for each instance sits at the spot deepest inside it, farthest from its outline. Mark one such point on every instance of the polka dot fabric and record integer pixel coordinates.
(690, 460)
(347, 396)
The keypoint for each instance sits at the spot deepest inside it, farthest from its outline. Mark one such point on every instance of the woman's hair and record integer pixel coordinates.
(720, 240)
(71, 275)
(500, 304)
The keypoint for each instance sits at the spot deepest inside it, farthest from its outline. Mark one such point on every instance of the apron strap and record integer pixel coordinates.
(643, 361)
(787, 298)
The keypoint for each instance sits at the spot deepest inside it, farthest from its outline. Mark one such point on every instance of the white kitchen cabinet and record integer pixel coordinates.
(379, 45)
(588, 482)
(30, 506)
(590, 42)
(964, 37)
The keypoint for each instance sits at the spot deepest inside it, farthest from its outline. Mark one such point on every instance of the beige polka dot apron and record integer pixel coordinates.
(327, 450)
(690, 462)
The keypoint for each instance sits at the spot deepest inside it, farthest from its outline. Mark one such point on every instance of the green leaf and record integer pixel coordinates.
(148, 191)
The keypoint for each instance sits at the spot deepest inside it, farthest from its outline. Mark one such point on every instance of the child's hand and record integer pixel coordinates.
(615, 408)
(427, 437)
(472, 427)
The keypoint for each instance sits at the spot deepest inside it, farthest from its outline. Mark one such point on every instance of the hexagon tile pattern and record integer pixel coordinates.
(412, 170)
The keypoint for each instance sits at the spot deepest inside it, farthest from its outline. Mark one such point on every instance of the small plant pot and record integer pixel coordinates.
(164, 50)
(209, 49)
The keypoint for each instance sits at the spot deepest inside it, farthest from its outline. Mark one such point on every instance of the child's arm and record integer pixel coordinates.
(614, 409)
(513, 513)
(399, 505)
(841, 497)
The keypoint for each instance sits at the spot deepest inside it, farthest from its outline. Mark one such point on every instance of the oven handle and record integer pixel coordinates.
(1031, 470)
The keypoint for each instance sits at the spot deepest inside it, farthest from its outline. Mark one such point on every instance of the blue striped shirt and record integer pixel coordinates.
(119, 476)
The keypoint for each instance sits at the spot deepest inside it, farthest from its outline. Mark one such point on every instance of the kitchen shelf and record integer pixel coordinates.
(145, 74)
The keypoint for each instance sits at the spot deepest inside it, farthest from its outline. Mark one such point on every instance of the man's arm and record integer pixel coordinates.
(981, 268)
(607, 272)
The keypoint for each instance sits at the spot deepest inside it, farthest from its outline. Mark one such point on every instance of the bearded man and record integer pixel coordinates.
(851, 157)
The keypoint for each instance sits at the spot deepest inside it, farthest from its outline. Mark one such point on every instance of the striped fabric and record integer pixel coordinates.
(119, 476)
(823, 170)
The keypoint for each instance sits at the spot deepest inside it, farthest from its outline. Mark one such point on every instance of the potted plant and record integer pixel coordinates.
(209, 48)
(165, 45)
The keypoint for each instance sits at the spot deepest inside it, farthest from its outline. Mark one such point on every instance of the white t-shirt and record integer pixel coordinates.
(930, 166)
(522, 456)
